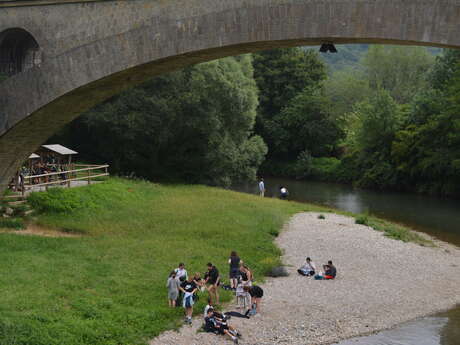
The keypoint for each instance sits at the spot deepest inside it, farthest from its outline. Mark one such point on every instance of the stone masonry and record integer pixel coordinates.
(92, 50)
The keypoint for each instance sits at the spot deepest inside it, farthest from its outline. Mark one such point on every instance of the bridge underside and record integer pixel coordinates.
(92, 51)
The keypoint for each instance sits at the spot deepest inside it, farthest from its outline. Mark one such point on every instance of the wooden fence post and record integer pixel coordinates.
(89, 181)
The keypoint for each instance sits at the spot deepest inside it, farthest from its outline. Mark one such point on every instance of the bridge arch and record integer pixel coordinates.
(94, 50)
(19, 51)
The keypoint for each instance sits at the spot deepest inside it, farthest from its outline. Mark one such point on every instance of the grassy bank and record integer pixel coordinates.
(107, 286)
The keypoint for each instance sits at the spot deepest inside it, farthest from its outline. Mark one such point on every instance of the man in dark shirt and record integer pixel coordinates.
(331, 272)
(212, 279)
(214, 325)
(188, 288)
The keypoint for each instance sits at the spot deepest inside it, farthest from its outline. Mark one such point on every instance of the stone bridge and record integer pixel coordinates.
(60, 57)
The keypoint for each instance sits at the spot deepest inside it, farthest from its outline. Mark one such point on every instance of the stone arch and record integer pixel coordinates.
(95, 50)
(19, 51)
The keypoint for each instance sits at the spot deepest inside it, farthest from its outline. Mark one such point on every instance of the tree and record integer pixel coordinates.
(399, 70)
(281, 75)
(369, 140)
(306, 124)
(194, 125)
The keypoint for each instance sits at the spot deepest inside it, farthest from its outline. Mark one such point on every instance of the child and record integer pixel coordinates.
(173, 289)
(188, 288)
(215, 325)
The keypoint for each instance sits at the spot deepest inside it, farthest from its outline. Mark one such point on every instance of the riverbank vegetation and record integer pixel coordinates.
(379, 117)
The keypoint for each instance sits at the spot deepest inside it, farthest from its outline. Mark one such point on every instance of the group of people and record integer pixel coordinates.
(284, 193)
(184, 289)
(309, 269)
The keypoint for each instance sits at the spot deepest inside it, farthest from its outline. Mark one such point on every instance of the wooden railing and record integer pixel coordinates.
(64, 177)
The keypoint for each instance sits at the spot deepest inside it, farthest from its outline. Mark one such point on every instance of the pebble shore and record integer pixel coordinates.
(381, 283)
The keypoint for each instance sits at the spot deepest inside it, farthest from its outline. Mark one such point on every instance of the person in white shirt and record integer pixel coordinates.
(308, 268)
(181, 273)
(262, 187)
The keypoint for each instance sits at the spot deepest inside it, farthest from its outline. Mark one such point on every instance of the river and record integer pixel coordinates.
(435, 216)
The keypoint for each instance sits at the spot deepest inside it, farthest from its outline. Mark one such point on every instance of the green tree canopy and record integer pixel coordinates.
(194, 125)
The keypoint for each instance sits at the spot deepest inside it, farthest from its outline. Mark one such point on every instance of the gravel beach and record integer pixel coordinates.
(380, 283)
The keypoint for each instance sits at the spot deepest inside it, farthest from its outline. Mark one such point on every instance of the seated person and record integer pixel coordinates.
(330, 272)
(218, 326)
(216, 313)
(308, 268)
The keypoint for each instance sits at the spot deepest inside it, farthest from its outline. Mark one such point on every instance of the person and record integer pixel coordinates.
(262, 187)
(245, 274)
(218, 326)
(173, 289)
(283, 193)
(212, 280)
(234, 262)
(181, 272)
(256, 293)
(308, 268)
(188, 288)
(198, 281)
(331, 273)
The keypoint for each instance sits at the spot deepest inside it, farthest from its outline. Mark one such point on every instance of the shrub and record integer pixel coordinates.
(58, 200)
(321, 216)
(362, 218)
(12, 223)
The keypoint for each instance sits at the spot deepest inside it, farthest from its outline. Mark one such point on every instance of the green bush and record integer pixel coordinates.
(12, 223)
(58, 200)
(362, 218)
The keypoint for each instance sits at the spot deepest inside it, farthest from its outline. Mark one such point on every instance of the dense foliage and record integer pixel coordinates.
(402, 126)
(194, 125)
(294, 116)
(380, 117)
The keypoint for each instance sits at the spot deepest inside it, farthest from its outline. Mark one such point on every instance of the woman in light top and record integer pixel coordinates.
(173, 289)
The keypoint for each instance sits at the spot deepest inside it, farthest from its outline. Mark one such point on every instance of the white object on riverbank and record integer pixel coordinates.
(380, 283)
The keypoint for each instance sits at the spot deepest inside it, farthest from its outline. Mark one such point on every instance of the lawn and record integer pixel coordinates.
(108, 286)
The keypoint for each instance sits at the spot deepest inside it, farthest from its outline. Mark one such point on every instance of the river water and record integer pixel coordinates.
(437, 217)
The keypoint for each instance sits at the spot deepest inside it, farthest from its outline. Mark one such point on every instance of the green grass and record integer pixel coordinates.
(392, 230)
(108, 286)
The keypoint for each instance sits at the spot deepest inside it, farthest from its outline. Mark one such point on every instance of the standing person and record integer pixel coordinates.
(234, 262)
(283, 193)
(173, 286)
(188, 288)
(262, 187)
(212, 280)
(256, 293)
(246, 275)
(181, 272)
(182, 276)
